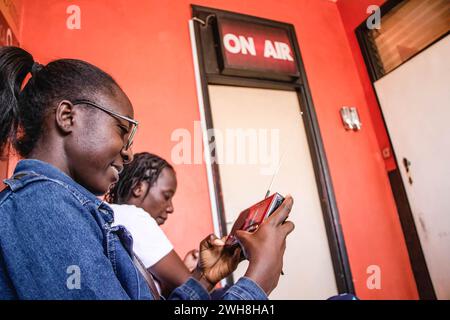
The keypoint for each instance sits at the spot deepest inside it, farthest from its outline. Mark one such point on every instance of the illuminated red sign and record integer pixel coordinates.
(256, 50)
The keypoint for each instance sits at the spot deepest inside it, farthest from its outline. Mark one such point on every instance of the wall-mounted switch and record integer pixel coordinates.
(350, 118)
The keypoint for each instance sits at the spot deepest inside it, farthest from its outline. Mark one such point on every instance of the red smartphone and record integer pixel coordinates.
(251, 218)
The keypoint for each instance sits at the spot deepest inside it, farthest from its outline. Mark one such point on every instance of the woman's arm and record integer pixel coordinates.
(171, 272)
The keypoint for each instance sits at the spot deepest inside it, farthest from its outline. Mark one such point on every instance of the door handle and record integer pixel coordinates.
(407, 165)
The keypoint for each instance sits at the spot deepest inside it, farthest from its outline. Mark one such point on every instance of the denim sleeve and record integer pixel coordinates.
(244, 289)
(52, 247)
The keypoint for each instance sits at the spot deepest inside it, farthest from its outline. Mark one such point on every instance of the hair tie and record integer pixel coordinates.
(36, 68)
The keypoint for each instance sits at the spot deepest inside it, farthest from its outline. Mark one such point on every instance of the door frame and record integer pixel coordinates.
(416, 257)
(205, 60)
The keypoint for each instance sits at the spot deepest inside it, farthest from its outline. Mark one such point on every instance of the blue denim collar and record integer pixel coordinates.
(45, 169)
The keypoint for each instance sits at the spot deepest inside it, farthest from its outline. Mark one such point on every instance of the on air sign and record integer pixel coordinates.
(256, 50)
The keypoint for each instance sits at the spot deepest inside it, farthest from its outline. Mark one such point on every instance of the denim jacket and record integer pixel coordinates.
(57, 242)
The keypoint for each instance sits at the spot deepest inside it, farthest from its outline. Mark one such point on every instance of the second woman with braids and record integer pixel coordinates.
(142, 201)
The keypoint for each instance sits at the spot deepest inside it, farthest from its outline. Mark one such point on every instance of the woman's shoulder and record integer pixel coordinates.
(36, 190)
(40, 194)
(45, 203)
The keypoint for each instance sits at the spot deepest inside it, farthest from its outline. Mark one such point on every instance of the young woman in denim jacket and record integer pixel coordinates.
(74, 126)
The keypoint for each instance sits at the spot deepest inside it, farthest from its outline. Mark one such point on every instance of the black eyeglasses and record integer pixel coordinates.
(134, 123)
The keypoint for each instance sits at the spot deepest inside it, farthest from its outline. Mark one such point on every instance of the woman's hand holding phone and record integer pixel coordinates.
(216, 261)
(265, 247)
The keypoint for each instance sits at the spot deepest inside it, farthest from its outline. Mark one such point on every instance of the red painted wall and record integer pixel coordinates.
(145, 45)
(3, 171)
(352, 14)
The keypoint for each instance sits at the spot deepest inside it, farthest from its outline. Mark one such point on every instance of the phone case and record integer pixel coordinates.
(251, 218)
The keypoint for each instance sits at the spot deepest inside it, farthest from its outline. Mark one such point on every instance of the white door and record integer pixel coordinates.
(272, 125)
(415, 100)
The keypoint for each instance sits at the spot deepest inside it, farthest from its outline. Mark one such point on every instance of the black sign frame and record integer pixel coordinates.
(210, 73)
(229, 69)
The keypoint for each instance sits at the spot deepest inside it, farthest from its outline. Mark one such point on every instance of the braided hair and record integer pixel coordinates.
(144, 167)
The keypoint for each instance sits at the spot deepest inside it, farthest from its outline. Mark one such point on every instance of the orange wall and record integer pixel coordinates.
(145, 45)
(352, 14)
(3, 171)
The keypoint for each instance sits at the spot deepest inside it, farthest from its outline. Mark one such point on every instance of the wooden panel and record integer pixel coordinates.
(409, 28)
